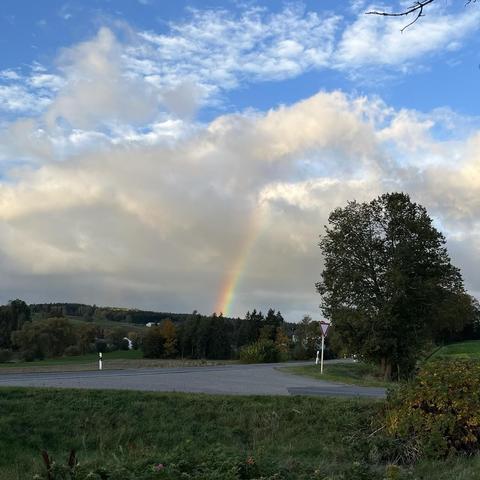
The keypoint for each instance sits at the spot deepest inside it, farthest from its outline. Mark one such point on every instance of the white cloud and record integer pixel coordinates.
(46, 81)
(97, 91)
(219, 50)
(16, 98)
(373, 41)
(9, 75)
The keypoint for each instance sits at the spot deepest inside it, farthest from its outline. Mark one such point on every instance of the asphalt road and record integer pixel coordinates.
(262, 379)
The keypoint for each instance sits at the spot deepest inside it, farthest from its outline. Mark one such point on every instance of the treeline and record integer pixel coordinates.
(28, 338)
(216, 337)
(43, 331)
(38, 332)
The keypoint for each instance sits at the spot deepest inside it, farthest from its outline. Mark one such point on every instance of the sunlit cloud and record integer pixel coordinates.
(373, 41)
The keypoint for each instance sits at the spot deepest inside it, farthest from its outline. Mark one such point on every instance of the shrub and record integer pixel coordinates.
(115, 337)
(101, 345)
(31, 355)
(261, 351)
(124, 344)
(221, 466)
(5, 355)
(438, 413)
(73, 350)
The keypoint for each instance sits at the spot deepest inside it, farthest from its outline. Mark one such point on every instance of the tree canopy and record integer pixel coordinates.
(388, 284)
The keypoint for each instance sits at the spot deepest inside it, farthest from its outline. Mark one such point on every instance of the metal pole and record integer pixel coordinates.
(323, 346)
(100, 362)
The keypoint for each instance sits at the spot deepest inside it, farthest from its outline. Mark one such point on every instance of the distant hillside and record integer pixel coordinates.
(114, 314)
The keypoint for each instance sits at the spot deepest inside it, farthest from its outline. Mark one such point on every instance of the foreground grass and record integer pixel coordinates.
(291, 435)
(287, 432)
(351, 373)
(469, 349)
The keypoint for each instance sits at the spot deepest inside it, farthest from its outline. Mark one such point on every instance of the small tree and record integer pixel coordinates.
(282, 343)
(307, 335)
(87, 333)
(153, 343)
(169, 334)
(388, 285)
(115, 337)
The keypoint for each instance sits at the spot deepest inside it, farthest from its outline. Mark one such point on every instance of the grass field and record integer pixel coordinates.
(369, 376)
(79, 359)
(118, 359)
(292, 436)
(102, 322)
(470, 349)
(351, 373)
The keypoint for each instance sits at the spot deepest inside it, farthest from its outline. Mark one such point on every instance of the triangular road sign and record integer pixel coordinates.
(325, 327)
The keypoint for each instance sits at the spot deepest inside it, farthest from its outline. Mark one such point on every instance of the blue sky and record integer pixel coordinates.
(34, 33)
(139, 138)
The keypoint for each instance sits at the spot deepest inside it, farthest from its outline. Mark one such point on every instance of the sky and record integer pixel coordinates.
(182, 155)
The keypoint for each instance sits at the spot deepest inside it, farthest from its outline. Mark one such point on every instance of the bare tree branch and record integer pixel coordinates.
(416, 9)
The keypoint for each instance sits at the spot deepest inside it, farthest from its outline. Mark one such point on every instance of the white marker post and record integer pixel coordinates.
(317, 360)
(324, 334)
(100, 362)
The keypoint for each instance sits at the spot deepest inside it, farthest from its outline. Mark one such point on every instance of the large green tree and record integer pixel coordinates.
(388, 284)
(44, 338)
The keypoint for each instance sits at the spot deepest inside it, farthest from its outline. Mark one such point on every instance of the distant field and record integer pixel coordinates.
(101, 322)
(108, 323)
(470, 349)
(118, 359)
(78, 359)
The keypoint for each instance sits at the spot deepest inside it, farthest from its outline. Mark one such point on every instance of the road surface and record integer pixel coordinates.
(261, 379)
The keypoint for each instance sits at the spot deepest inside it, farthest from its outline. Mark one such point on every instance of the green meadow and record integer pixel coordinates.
(469, 349)
(282, 437)
(369, 375)
(89, 358)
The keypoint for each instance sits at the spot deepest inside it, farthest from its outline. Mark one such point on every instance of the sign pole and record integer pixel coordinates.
(323, 346)
(100, 362)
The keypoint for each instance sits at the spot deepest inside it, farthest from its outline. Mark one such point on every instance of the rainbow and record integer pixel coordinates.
(234, 274)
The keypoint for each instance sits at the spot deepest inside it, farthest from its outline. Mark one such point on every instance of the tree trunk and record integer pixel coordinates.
(386, 368)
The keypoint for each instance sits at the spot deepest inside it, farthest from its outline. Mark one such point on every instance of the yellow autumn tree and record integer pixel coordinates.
(282, 343)
(169, 334)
